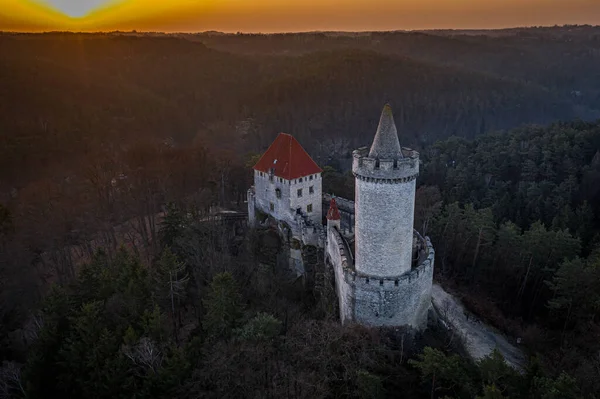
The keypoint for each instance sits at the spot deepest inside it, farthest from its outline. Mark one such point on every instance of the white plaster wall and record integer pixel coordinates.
(316, 198)
(384, 227)
(265, 194)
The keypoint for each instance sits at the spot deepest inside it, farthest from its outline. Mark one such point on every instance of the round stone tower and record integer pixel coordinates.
(385, 203)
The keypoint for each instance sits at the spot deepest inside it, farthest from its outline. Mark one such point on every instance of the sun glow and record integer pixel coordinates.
(93, 15)
(288, 15)
(78, 9)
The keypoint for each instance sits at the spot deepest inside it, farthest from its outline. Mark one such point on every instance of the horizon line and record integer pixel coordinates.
(515, 27)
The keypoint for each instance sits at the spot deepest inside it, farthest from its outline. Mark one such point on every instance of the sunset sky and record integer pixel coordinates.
(289, 15)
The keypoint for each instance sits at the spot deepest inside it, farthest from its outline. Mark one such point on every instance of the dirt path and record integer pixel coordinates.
(479, 338)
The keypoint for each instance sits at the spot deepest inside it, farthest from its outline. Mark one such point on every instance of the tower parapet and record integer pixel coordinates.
(391, 170)
(386, 161)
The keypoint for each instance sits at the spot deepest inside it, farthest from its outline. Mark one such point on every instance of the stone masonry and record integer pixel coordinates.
(385, 277)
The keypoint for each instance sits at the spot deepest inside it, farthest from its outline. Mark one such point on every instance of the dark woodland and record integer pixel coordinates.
(117, 280)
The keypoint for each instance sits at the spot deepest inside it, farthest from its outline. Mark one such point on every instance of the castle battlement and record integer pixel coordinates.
(352, 276)
(389, 283)
(391, 301)
(345, 256)
(387, 170)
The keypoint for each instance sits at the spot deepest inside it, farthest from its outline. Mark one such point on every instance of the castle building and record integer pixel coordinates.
(383, 268)
(287, 183)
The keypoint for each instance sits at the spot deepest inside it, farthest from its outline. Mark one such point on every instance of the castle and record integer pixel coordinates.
(383, 268)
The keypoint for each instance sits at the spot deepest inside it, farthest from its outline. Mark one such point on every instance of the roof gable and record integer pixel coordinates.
(288, 159)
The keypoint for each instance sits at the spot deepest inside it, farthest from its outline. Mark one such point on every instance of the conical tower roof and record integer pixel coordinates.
(386, 144)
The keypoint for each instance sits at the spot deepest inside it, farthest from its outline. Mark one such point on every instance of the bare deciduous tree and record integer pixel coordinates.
(10, 381)
(145, 354)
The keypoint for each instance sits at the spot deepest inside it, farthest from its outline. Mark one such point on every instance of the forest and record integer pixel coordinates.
(115, 150)
(64, 96)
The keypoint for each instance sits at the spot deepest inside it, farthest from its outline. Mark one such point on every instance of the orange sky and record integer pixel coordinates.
(290, 15)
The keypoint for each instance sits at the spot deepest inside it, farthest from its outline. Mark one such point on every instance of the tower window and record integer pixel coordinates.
(278, 193)
(300, 180)
(311, 190)
(309, 208)
(272, 206)
(311, 177)
(299, 192)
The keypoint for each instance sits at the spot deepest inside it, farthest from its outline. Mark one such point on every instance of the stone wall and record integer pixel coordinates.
(338, 257)
(394, 302)
(265, 194)
(307, 231)
(384, 227)
(315, 198)
(251, 196)
(384, 213)
(401, 301)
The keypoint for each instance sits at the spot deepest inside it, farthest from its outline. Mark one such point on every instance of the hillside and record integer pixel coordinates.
(338, 94)
(560, 58)
(63, 95)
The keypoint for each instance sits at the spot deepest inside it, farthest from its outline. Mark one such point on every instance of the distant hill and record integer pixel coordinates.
(564, 59)
(70, 93)
(339, 94)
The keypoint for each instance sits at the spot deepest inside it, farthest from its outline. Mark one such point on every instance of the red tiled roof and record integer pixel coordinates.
(333, 213)
(288, 158)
